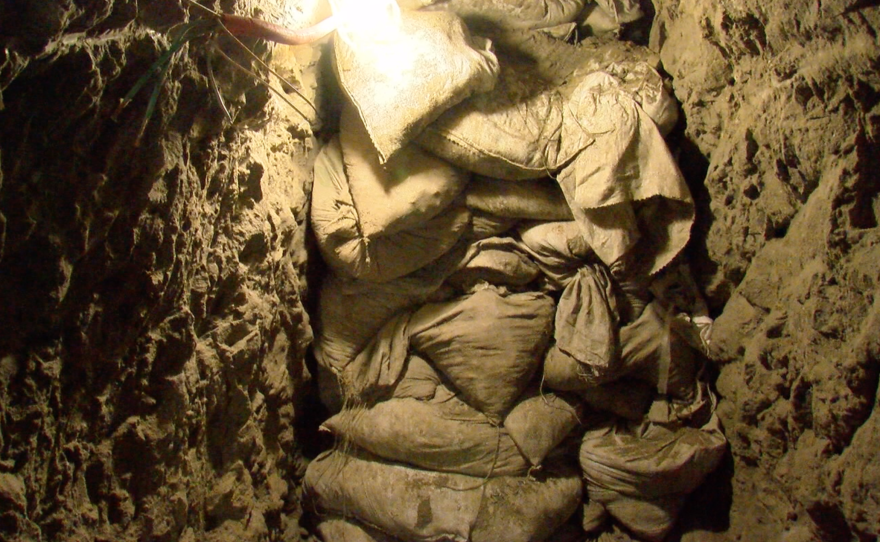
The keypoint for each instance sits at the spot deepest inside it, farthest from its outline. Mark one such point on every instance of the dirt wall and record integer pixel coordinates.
(153, 343)
(781, 103)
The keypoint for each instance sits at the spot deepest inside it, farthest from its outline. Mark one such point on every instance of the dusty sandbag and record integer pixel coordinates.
(538, 199)
(374, 373)
(651, 351)
(604, 17)
(586, 328)
(558, 248)
(405, 192)
(521, 130)
(488, 344)
(442, 435)
(508, 14)
(404, 80)
(540, 421)
(529, 125)
(589, 131)
(625, 398)
(415, 504)
(628, 166)
(419, 380)
(485, 225)
(648, 519)
(340, 529)
(497, 260)
(634, 468)
(343, 246)
(352, 311)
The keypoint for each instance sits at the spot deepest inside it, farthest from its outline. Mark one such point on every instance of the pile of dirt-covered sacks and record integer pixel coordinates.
(503, 335)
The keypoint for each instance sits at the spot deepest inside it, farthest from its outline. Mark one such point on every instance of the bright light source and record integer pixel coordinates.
(375, 20)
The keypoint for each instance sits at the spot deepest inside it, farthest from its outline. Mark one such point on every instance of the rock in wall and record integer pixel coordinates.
(151, 285)
(782, 109)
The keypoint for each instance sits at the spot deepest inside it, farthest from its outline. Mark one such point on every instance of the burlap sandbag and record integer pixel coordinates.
(489, 344)
(541, 420)
(530, 124)
(586, 333)
(415, 504)
(339, 529)
(585, 126)
(404, 80)
(404, 193)
(538, 199)
(419, 380)
(337, 226)
(508, 14)
(444, 435)
(643, 470)
(558, 248)
(495, 260)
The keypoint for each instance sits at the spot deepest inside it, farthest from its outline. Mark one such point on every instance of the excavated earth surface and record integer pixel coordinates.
(154, 382)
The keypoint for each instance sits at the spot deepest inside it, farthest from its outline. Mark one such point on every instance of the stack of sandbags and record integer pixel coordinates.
(441, 438)
(470, 322)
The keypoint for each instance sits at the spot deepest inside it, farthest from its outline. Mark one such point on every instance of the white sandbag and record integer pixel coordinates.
(415, 504)
(540, 421)
(637, 467)
(488, 344)
(538, 199)
(405, 79)
(343, 246)
(443, 435)
(405, 192)
(339, 529)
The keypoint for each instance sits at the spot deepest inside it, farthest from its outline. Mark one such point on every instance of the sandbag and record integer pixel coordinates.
(351, 311)
(339, 529)
(497, 260)
(540, 421)
(539, 199)
(586, 330)
(530, 124)
(589, 130)
(653, 352)
(626, 186)
(443, 435)
(419, 380)
(415, 504)
(485, 225)
(648, 467)
(404, 80)
(343, 246)
(604, 17)
(558, 248)
(488, 344)
(405, 192)
(509, 14)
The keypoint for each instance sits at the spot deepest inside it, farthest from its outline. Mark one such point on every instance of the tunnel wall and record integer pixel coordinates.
(152, 359)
